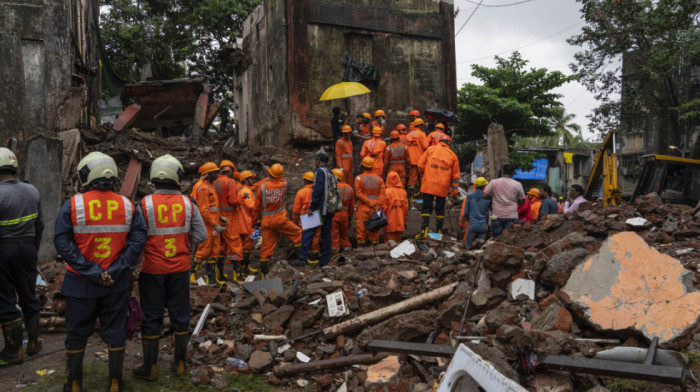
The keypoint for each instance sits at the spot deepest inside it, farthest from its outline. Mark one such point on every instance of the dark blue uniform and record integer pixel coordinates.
(317, 203)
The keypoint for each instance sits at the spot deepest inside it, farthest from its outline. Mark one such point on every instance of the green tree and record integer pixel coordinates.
(564, 129)
(657, 39)
(520, 99)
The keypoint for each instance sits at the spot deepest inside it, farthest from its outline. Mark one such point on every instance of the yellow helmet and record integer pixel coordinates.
(368, 162)
(338, 173)
(367, 115)
(245, 174)
(481, 181)
(346, 129)
(377, 130)
(8, 160)
(440, 126)
(96, 165)
(226, 162)
(166, 168)
(308, 176)
(379, 113)
(208, 168)
(276, 171)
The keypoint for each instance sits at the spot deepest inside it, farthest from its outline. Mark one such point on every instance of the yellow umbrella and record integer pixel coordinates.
(343, 90)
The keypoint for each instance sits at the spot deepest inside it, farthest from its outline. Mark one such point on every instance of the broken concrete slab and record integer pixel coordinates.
(558, 269)
(267, 284)
(522, 289)
(383, 372)
(405, 248)
(409, 326)
(629, 285)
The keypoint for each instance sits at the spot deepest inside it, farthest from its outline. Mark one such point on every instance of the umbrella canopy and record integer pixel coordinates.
(343, 90)
(442, 115)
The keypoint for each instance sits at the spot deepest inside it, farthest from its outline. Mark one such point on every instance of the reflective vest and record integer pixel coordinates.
(435, 137)
(369, 188)
(347, 196)
(168, 218)
(207, 202)
(273, 193)
(396, 155)
(417, 142)
(244, 220)
(223, 185)
(101, 222)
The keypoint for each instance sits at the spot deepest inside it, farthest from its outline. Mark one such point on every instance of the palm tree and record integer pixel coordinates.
(566, 132)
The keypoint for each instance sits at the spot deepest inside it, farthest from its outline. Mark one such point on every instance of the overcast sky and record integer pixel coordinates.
(536, 28)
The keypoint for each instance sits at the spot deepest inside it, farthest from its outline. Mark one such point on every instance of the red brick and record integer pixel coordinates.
(272, 380)
(340, 342)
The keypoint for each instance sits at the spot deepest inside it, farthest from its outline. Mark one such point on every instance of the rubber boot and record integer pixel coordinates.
(295, 254)
(423, 227)
(12, 353)
(194, 267)
(237, 277)
(148, 370)
(31, 324)
(335, 252)
(247, 269)
(411, 191)
(116, 369)
(264, 268)
(74, 371)
(210, 270)
(361, 244)
(439, 221)
(220, 276)
(375, 243)
(179, 365)
(315, 256)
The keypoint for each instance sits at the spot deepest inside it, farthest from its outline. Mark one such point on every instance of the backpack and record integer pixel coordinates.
(333, 203)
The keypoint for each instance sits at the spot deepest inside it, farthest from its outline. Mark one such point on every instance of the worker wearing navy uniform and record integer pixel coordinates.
(173, 222)
(318, 196)
(100, 235)
(21, 226)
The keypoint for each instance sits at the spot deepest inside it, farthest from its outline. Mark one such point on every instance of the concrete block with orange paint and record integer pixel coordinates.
(629, 285)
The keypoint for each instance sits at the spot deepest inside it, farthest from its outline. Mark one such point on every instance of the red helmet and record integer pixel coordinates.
(394, 134)
(446, 139)
(414, 113)
(400, 127)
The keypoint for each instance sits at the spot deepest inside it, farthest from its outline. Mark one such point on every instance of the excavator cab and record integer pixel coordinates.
(676, 180)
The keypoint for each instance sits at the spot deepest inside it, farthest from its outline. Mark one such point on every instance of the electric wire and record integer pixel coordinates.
(469, 18)
(500, 5)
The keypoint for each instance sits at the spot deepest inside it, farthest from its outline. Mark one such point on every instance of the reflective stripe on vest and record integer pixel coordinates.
(396, 162)
(82, 228)
(264, 200)
(153, 230)
(19, 220)
(346, 156)
(372, 197)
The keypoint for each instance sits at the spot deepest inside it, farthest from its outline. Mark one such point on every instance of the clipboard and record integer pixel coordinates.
(310, 222)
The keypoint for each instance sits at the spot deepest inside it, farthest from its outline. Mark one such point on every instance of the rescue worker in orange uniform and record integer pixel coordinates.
(375, 148)
(244, 219)
(370, 193)
(395, 208)
(417, 143)
(204, 194)
(403, 133)
(302, 201)
(361, 133)
(379, 121)
(366, 127)
(396, 157)
(412, 115)
(341, 219)
(343, 151)
(535, 203)
(439, 168)
(230, 246)
(173, 224)
(100, 235)
(436, 136)
(270, 205)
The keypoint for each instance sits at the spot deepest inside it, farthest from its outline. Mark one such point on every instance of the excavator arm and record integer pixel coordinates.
(605, 169)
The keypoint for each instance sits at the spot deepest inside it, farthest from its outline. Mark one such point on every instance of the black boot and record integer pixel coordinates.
(194, 266)
(423, 227)
(74, 371)
(264, 268)
(439, 221)
(210, 270)
(247, 268)
(31, 324)
(116, 369)
(220, 276)
(148, 371)
(237, 275)
(179, 365)
(12, 353)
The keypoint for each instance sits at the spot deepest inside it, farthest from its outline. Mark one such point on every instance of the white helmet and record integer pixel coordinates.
(166, 168)
(8, 160)
(96, 165)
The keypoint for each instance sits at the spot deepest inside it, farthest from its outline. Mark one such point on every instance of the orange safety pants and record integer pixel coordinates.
(209, 249)
(393, 235)
(339, 232)
(363, 213)
(248, 244)
(413, 175)
(274, 225)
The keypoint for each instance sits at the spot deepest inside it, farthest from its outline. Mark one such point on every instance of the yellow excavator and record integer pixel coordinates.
(674, 179)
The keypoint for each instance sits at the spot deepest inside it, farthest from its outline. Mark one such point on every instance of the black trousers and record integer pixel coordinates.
(158, 292)
(428, 200)
(18, 259)
(82, 313)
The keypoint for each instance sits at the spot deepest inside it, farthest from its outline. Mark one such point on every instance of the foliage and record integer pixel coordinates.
(521, 100)
(565, 134)
(179, 38)
(657, 38)
(627, 385)
(524, 160)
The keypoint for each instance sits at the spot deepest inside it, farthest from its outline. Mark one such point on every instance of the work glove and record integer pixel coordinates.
(223, 219)
(219, 229)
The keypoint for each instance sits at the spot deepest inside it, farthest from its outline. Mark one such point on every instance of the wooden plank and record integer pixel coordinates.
(433, 350)
(127, 117)
(131, 179)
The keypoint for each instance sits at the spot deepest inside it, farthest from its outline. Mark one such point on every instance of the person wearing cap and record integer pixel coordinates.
(204, 194)
(412, 115)
(100, 236)
(21, 227)
(439, 169)
(436, 136)
(230, 246)
(379, 121)
(341, 219)
(475, 211)
(549, 203)
(535, 204)
(374, 148)
(396, 157)
(417, 143)
(244, 220)
(173, 224)
(271, 212)
(395, 208)
(302, 201)
(324, 181)
(370, 193)
(343, 151)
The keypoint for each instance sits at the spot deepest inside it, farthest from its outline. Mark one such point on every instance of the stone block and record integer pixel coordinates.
(558, 269)
(499, 254)
(259, 361)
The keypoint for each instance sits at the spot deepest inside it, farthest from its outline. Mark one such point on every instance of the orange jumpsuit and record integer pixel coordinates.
(417, 142)
(302, 201)
(369, 189)
(207, 203)
(395, 208)
(439, 168)
(341, 219)
(343, 157)
(435, 137)
(535, 205)
(227, 194)
(396, 159)
(403, 138)
(374, 148)
(270, 204)
(365, 129)
(244, 218)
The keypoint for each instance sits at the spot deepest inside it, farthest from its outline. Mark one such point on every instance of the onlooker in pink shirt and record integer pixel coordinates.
(575, 194)
(506, 194)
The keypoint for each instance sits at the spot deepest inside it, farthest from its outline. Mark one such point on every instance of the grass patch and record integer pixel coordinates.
(627, 385)
(693, 357)
(95, 379)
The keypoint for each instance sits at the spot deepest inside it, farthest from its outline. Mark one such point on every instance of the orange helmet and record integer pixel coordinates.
(418, 122)
(400, 127)
(367, 116)
(379, 113)
(226, 162)
(446, 139)
(394, 134)
(338, 173)
(208, 168)
(377, 130)
(245, 174)
(440, 125)
(276, 171)
(414, 113)
(346, 129)
(308, 176)
(368, 162)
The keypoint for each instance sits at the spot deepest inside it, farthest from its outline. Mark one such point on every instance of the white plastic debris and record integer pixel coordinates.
(302, 357)
(637, 222)
(405, 248)
(522, 289)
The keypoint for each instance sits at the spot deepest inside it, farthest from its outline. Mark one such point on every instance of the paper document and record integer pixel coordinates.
(309, 222)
